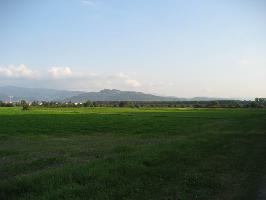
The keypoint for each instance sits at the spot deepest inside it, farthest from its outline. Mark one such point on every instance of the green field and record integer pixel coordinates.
(122, 153)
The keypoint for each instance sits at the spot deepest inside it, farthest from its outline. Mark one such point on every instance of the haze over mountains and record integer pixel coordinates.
(40, 94)
(37, 94)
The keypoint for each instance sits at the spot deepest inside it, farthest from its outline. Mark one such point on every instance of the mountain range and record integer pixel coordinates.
(40, 94)
(117, 95)
(37, 94)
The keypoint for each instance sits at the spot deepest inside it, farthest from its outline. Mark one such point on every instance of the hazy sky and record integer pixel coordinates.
(182, 48)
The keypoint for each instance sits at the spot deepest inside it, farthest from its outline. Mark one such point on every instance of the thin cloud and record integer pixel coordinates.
(133, 83)
(66, 78)
(91, 3)
(21, 71)
(60, 72)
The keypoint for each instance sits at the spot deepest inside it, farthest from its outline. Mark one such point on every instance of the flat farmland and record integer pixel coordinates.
(132, 153)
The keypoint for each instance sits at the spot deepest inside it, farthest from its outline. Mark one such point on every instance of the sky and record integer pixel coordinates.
(182, 48)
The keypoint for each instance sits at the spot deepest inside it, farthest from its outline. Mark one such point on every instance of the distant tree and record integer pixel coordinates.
(213, 104)
(25, 105)
(253, 104)
(35, 103)
(130, 104)
(122, 104)
(88, 104)
(137, 106)
(9, 104)
(197, 105)
(261, 102)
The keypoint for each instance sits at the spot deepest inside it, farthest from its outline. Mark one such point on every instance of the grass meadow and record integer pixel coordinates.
(132, 153)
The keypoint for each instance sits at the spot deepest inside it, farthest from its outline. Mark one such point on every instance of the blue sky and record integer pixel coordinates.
(171, 47)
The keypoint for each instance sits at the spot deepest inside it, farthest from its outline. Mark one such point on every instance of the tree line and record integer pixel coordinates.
(257, 103)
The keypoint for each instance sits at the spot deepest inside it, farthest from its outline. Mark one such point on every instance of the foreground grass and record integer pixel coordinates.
(106, 153)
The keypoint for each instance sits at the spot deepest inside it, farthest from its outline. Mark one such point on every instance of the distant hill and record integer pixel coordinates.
(31, 94)
(117, 95)
(3, 97)
(40, 94)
